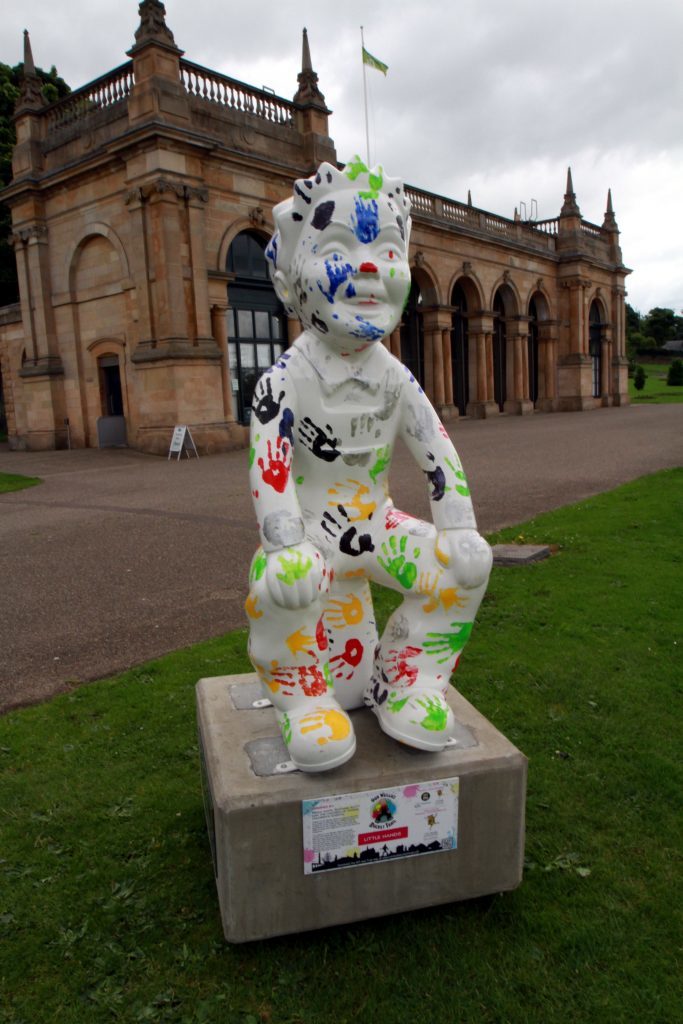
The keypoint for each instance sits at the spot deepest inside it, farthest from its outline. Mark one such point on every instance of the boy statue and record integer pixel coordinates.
(325, 420)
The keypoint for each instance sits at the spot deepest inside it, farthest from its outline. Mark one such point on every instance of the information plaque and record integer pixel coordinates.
(355, 829)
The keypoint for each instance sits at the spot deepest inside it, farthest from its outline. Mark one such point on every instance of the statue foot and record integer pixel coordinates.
(319, 735)
(418, 717)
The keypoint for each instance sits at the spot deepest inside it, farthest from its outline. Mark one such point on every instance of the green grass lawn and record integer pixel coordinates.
(108, 909)
(14, 482)
(656, 389)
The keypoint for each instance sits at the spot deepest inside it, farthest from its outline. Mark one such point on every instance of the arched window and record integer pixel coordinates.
(412, 333)
(460, 349)
(256, 319)
(595, 345)
(499, 351)
(533, 351)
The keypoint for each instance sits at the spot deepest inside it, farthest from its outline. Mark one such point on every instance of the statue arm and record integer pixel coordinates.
(294, 569)
(449, 495)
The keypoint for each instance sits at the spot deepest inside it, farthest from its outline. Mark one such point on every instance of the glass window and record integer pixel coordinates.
(247, 355)
(245, 326)
(262, 321)
(275, 326)
(263, 356)
(232, 354)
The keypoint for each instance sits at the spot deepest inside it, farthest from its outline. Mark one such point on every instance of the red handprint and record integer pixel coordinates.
(394, 517)
(279, 463)
(398, 669)
(351, 655)
(321, 635)
(308, 677)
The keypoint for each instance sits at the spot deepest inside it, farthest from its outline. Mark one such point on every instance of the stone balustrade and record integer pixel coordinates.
(102, 92)
(228, 92)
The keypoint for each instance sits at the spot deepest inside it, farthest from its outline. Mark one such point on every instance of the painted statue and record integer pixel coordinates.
(325, 419)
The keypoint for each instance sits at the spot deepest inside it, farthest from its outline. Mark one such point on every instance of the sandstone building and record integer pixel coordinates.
(141, 204)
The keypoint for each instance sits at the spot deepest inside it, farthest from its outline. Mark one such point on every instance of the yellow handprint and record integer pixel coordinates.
(299, 642)
(341, 613)
(355, 502)
(250, 607)
(427, 585)
(335, 721)
(451, 597)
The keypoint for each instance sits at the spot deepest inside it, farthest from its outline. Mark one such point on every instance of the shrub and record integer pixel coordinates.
(675, 374)
(639, 378)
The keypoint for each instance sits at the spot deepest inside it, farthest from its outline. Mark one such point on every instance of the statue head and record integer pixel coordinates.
(339, 255)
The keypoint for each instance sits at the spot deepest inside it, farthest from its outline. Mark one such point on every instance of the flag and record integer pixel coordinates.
(373, 62)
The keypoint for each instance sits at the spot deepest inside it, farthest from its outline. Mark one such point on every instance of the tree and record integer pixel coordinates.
(675, 375)
(639, 378)
(54, 88)
(660, 325)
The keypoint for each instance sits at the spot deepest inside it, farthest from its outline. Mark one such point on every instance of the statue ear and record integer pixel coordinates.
(281, 286)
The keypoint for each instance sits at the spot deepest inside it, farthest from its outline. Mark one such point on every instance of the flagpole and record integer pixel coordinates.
(365, 95)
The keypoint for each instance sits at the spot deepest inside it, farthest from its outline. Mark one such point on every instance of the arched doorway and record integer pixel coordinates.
(595, 346)
(256, 319)
(412, 334)
(460, 349)
(499, 351)
(532, 350)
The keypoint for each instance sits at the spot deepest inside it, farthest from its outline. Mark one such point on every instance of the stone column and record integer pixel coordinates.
(547, 359)
(139, 263)
(619, 367)
(219, 330)
(518, 400)
(293, 329)
(448, 369)
(437, 322)
(605, 364)
(395, 346)
(196, 199)
(574, 365)
(480, 329)
(168, 289)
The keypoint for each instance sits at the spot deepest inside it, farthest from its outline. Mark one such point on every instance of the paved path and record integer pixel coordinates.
(119, 557)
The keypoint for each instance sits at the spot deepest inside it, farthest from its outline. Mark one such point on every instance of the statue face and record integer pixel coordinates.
(349, 274)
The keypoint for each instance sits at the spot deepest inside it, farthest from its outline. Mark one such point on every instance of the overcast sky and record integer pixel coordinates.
(498, 96)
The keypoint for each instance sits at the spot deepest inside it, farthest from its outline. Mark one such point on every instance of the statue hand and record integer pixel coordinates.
(470, 556)
(296, 576)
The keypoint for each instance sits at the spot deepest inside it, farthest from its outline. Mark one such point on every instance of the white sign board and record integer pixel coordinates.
(376, 826)
(182, 442)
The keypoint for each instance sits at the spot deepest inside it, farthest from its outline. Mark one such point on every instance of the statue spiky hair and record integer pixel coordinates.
(308, 198)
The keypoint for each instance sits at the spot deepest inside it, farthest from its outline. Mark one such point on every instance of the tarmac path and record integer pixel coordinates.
(119, 557)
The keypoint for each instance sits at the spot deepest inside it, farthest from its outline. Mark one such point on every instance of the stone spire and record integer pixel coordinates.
(308, 94)
(30, 93)
(153, 27)
(610, 222)
(469, 197)
(570, 207)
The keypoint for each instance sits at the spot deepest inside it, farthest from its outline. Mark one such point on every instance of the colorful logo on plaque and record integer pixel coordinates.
(383, 811)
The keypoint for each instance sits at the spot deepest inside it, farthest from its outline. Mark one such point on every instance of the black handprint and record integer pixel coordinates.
(266, 408)
(437, 479)
(322, 445)
(350, 542)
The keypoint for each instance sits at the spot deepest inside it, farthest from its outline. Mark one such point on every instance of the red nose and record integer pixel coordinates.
(367, 268)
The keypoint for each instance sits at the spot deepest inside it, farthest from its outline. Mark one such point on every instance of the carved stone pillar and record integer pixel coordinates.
(605, 364)
(196, 199)
(517, 399)
(547, 358)
(437, 322)
(481, 403)
(219, 329)
(448, 371)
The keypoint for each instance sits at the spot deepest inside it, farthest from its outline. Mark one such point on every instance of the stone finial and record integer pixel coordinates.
(153, 27)
(469, 197)
(308, 93)
(570, 207)
(31, 89)
(610, 222)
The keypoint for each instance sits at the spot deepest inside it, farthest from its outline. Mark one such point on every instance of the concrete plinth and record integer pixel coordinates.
(255, 818)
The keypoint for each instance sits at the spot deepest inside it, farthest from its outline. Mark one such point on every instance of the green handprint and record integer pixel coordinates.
(294, 567)
(462, 487)
(258, 566)
(382, 463)
(437, 715)
(286, 728)
(327, 674)
(252, 451)
(396, 564)
(395, 703)
(449, 644)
